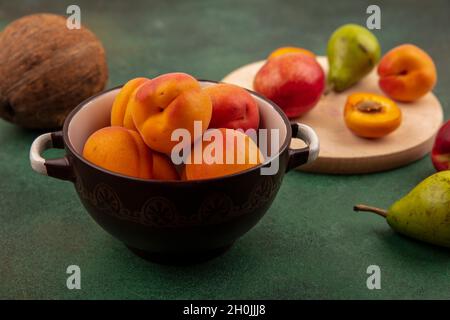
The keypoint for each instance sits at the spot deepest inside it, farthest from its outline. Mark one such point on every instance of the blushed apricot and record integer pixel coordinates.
(120, 113)
(169, 102)
(407, 73)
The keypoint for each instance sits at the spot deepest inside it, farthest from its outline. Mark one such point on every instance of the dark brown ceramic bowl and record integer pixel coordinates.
(170, 221)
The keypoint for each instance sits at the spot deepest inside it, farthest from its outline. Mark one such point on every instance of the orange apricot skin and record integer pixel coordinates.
(371, 124)
(163, 168)
(120, 113)
(166, 103)
(199, 171)
(286, 50)
(119, 150)
(407, 73)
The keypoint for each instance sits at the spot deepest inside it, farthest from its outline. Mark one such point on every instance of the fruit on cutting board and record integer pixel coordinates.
(407, 73)
(236, 152)
(284, 50)
(423, 213)
(119, 150)
(353, 51)
(47, 70)
(440, 155)
(370, 115)
(295, 82)
(120, 113)
(233, 107)
(168, 102)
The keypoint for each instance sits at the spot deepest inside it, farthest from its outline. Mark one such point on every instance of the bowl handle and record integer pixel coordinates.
(297, 157)
(58, 168)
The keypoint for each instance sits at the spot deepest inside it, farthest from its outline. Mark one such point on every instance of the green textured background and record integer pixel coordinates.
(309, 245)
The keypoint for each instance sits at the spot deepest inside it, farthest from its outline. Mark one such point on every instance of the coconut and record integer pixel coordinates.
(47, 69)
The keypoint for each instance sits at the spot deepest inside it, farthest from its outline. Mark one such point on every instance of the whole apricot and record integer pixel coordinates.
(407, 73)
(166, 103)
(119, 150)
(228, 151)
(120, 113)
(163, 168)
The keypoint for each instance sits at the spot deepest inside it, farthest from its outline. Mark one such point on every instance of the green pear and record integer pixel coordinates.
(424, 213)
(353, 51)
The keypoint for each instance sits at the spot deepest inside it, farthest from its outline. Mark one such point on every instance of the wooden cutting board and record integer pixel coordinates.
(341, 152)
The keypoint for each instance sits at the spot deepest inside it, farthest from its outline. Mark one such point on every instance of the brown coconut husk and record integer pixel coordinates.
(47, 69)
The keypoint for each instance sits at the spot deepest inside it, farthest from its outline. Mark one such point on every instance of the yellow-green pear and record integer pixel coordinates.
(424, 213)
(353, 51)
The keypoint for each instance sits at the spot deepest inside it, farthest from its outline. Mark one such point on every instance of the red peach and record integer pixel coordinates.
(233, 107)
(440, 154)
(287, 50)
(294, 81)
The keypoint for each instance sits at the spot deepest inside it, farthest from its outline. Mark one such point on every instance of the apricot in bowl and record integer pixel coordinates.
(171, 221)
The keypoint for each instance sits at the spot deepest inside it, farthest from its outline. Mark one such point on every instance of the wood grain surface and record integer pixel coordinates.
(341, 151)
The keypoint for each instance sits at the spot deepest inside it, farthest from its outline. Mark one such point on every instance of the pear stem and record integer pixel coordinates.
(362, 207)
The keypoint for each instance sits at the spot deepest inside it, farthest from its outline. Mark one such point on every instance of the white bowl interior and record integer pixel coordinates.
(95, 115)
